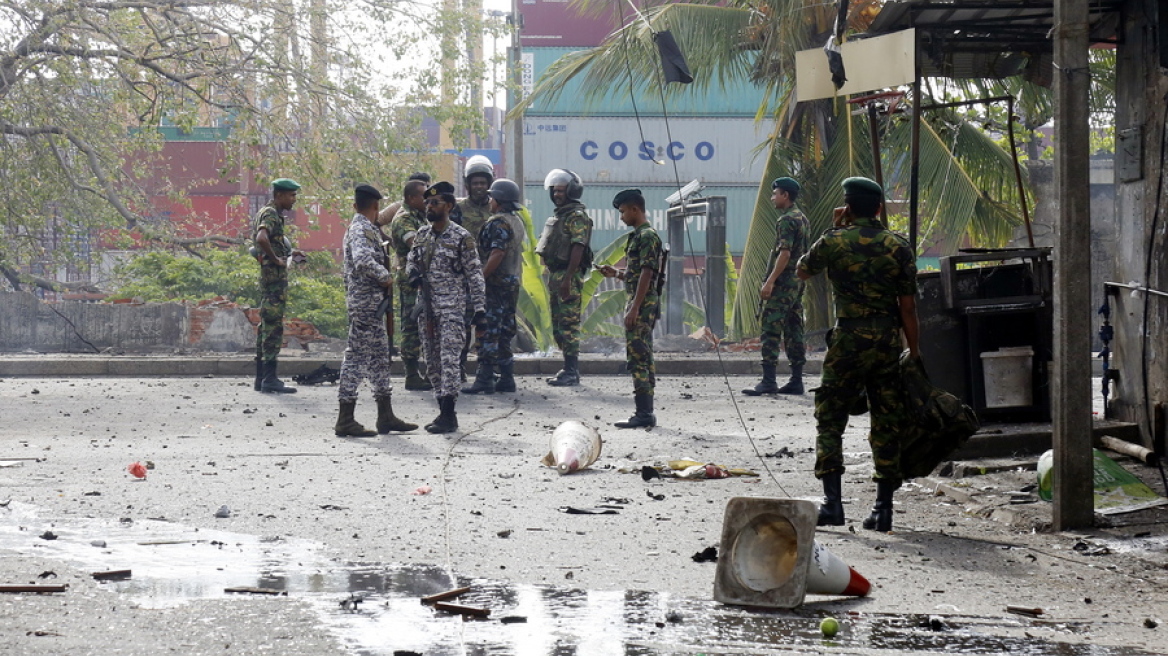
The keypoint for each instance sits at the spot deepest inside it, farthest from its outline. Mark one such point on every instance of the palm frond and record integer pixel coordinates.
(607, 304)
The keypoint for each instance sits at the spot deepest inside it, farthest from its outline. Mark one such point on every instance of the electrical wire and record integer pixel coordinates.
(689, 236)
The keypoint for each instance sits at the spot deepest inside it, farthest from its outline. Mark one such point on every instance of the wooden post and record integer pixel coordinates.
(1073, 494)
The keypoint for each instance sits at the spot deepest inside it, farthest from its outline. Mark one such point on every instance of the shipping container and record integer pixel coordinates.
(625, 151)
(731, 97)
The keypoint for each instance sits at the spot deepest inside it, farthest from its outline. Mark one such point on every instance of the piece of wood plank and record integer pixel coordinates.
(466, 611)
(253, 590)
(443, 596)
(33, 588)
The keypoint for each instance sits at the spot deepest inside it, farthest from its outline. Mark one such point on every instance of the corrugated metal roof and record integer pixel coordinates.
(988, 38)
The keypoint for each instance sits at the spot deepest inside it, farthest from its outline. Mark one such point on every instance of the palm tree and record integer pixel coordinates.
(967, 186)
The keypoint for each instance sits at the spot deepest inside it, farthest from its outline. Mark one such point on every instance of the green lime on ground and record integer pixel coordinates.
(829, 626)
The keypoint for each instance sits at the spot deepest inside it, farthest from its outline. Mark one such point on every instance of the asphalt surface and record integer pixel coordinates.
(492, 513)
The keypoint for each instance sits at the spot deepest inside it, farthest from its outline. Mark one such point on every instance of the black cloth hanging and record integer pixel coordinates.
(672, 59)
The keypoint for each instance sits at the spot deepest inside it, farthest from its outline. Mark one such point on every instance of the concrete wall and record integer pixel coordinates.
(1140, 320)
(27, 323)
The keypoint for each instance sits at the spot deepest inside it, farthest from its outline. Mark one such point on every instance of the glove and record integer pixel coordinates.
(480, 320)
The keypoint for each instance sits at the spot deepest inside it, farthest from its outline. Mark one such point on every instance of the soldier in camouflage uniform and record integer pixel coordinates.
(641, 275)
(273, 250)
(473, 212)
(873, 276)
(500, 245)
(565, 247)
(368, 294)
(781, 295)
(402, 231)
(444, 266)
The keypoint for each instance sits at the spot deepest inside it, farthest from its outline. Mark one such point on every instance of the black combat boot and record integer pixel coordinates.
(795, 385)
(644, 417)
(347, 426)
(388, 422)
(767, 386)
(484, 382)
(881, 517)
(569, 376)
(831, 513)
(506, 381)
(415, 382)
(271, 384)
(259, 377)
(447, 420)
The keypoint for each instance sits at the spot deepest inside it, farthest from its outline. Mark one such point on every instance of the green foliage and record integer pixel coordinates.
(316, 291)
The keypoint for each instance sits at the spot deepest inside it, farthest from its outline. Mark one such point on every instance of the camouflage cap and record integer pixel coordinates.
(285, 184)
(862, 187)
(786, 184)
(626, 196)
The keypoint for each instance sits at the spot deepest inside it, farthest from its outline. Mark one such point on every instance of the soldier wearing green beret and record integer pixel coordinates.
(273, 249)
(873, 276)
(781, 294)
(641, 276)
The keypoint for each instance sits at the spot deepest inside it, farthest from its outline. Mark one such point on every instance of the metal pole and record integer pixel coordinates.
(878, 171)
(914, 184)
(715, 277)
(1018, 171)
(515, 128)
(1073, 494)
(675, 292)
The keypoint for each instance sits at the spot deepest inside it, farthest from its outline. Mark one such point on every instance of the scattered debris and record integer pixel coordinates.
(1151, 622)
(329, 506)
(655, 497)
(696, 472)
(223, 513)
(574, 446)
(707, 555)
(781, 453)
(443, 596)
(504, 533)
(113, 575)
(422, 490)
(92, 494)
(100, 544)
(601, 510)
(1024, 610)
(261, 591)
(649, 473)
(674, 617)
(513, 619)
(352, 602)
(319, 376)
(48, 535)
(41, 633)
(137, 470)
(935, 623)
(465, 611)
(47, 574)
(33, 588)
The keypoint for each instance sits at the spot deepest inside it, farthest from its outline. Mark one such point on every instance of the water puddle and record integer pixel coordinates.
(173, 564)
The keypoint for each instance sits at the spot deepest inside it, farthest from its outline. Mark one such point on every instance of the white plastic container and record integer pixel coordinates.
(1009, 377)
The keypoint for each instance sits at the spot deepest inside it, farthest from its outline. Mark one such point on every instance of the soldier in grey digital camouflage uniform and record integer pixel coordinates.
(368, 295)
(444, 266)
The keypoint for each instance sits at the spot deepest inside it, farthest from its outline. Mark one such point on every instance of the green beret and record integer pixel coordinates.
(439, 189)
(862, 187)
(626, 196)
(786, 184)
(285, 184)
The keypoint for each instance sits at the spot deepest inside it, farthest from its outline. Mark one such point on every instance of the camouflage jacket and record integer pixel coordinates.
(402, 230)
(642, 250)
(791, 233)
(504, 231)
(269, 218)
(474, 217)
(365, 261)
(450, 264)
(869, 268)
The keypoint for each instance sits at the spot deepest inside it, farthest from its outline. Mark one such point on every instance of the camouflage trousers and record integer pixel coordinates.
(494, 345)
(443, 336)
(639, 348)
(273, 298)
(782, 323)
(411, 343)
(366, 355)
(859, 361)
(565, 313)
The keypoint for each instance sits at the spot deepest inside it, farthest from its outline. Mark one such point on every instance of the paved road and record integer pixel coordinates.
(307, 507)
